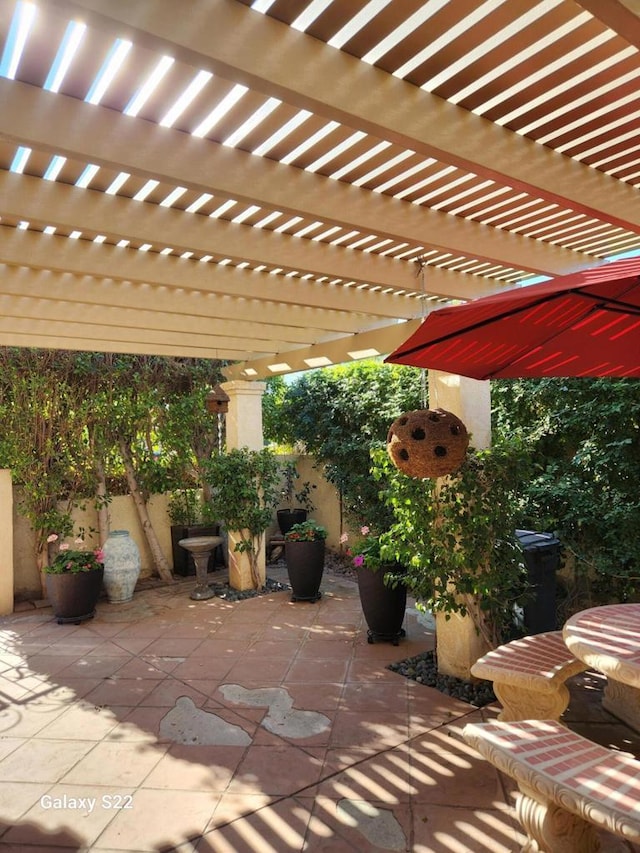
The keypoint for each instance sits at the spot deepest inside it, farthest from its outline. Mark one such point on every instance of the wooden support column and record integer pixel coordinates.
(458, 644)
(6, 543)
(244, 429)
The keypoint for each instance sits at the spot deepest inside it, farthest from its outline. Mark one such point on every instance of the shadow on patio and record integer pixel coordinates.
(251, 727)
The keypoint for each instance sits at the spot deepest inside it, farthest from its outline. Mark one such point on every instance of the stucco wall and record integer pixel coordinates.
(123, 516)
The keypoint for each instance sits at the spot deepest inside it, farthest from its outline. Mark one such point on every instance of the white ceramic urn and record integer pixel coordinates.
(121, 566)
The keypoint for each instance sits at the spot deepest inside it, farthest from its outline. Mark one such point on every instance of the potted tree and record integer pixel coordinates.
(190, 516)
(244, 490)
(304, 549)
(298, 501)
(381, 586)
(74, 581)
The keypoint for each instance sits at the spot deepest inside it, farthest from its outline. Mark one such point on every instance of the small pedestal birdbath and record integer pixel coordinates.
(201, 547)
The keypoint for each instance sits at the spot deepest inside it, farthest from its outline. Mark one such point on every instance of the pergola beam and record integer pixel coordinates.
(268, 56)
(18, 281)
(82, 257)
(69, 208)
(93, 134)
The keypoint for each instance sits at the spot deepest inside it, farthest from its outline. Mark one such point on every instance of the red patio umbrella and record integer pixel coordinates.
(583, 324)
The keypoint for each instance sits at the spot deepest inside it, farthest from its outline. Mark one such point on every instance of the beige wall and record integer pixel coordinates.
(123, 517)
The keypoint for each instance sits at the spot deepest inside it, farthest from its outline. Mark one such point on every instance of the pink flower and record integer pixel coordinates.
(99, 555)
(344, 537)
(358, 560)
(64, 546)
(53, 537)
(364, 530)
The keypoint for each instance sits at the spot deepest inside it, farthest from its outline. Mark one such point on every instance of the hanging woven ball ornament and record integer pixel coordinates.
(427, 443)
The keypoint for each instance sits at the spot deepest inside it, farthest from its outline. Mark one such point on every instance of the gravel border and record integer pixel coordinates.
(423, 669)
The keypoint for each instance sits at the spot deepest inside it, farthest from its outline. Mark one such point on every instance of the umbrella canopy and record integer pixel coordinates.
(583, 324)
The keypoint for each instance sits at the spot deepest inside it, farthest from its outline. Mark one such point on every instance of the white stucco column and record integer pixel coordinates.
(469, 399)
(244, 418)
(458, 643)
(6, 543)
(244, 429)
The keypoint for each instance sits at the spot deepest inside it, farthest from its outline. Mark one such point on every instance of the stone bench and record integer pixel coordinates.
(528, 676)
(569, 786)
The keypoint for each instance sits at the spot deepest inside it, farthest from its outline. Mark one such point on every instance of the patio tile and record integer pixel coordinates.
(121, 691)
(115, 764)
(280, 827)
(278, 770)
(231, 807)
(92, 666)
(26, 719)
(137, 725)
(343, 825)
(318, 670)
(80, 810)
(165, 693)
(94, 723)
(367, 696)
(16, 798)
(196, 768)
(133, 830)
(313, 696)
(171, 646)
(247, 670)
(376, 730)
(43, 760)
(465, 830)
(203, 668)
(393, 752)
(222, 646)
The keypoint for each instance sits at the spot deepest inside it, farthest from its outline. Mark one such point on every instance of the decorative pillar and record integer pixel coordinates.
(458, 644)
(244, 418)
(6, 543)
(244, 429)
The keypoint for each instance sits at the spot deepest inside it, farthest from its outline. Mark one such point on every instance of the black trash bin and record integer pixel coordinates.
(542, 560)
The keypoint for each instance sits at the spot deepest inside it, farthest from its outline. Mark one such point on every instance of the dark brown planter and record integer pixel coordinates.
(74, 595)
(383, 607)
(288, 517)
(305, 566)
(182, 560)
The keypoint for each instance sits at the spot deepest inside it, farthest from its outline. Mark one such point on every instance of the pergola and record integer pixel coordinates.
(293, 183)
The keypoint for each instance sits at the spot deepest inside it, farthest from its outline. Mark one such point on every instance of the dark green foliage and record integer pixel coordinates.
(339, 414)
(584, 435)
(456, 536)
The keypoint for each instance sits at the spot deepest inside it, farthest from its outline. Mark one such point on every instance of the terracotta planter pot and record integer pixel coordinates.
(305, 566)
(74, 596)
(383, 607)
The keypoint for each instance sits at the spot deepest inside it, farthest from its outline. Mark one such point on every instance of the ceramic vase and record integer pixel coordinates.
(121, 566)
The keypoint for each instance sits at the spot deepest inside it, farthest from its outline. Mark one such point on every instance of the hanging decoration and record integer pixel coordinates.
(217, 401)
(427, 443)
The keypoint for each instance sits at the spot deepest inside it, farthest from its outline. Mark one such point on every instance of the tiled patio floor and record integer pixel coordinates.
(92, 716)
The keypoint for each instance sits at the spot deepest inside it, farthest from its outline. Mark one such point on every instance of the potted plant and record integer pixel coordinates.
(190, 516)
(383, 593)
(74, 581)
(304, 547)
(456, 537)
(298, 501)
(244, 490)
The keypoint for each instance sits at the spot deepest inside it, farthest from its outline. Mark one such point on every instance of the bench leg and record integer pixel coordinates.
(518, 703)
(551, 829)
